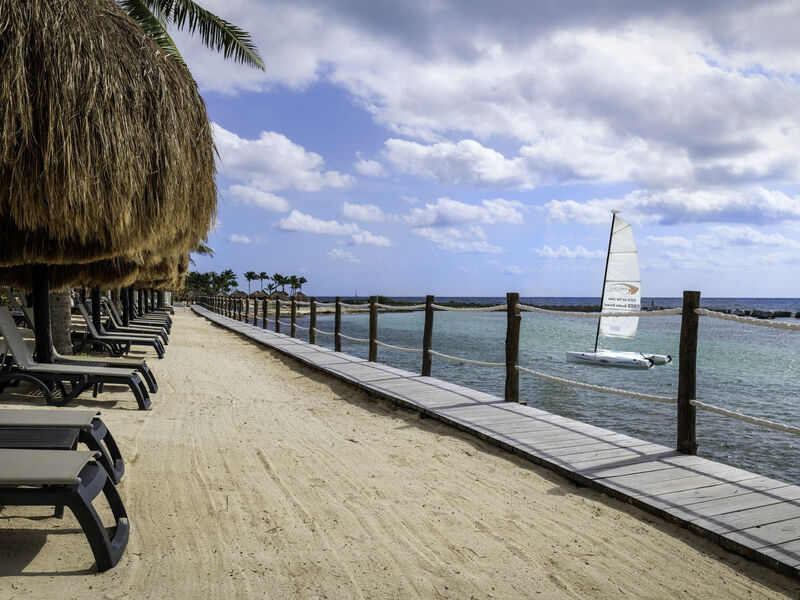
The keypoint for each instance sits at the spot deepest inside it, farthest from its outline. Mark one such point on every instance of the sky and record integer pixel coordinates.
(476, 148)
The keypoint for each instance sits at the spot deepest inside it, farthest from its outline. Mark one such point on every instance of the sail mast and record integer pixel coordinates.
(605, 275)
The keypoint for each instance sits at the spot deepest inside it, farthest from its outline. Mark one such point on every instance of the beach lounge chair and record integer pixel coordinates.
(67, 478)
(41, 375)
(153, 315)
(114, 324)
(34, 429)
(118, 363)
(118, 344)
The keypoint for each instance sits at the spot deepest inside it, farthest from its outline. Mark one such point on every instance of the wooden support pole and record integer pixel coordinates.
(427, 337)
(513, 320)
(97, 321)
(277, 315)
(264, 307)
(687, 374)
(293, 329)
(40, 276)
(255, 312)
(312, 322)
(126, 315)
(373, 329)
(337, 325)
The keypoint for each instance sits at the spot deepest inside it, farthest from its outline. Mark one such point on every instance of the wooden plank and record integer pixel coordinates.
(767, 535)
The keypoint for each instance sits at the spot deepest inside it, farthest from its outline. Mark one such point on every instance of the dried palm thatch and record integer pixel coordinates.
(108, 273)
(105, 143)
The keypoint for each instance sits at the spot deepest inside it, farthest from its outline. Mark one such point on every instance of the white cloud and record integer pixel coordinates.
(465, 162)
(455, 240)
(517, 270)
(724, 236)
(370, 168)
(339, 254)
(668, 94)
(272, 162)
(238, 238)
(452, 212)
(410, 199)
(569, 253)
(253, 197)
(363, 212)
(297, 221)
(365, 237)
(672, 241)
(753, 204)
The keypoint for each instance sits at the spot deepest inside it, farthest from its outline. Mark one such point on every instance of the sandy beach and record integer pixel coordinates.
(254, 477)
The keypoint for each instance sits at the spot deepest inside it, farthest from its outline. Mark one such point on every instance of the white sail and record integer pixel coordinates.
(623, 285)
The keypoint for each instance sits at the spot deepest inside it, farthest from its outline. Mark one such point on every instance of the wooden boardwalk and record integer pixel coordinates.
(754, 516)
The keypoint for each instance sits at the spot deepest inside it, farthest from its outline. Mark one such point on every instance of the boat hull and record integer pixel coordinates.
(611, 358)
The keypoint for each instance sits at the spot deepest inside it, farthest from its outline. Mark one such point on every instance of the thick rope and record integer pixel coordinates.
(285, 324)
(301, 327)
(475, 309)
(595, 315)
(397, 307)
(598, 388)
(747, 418)
(466, 361)
(326, 303)
(324, 332)
(399, 348)
(353, 339)
(747, 320)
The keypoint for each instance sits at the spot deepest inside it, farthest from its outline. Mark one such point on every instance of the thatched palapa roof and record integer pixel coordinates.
(105, 144)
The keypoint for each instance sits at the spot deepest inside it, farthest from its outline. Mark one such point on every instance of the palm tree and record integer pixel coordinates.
(262, 276)
(155, 16)
(250, 276)
(280, 280)
(301, 281)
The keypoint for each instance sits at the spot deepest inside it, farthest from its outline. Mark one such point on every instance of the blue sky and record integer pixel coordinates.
(476, 148)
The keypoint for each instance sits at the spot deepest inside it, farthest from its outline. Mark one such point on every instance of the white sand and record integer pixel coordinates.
(253, 477)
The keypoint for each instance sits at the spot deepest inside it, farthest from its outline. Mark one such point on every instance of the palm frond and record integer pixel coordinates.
(215, 32)
(152, 21)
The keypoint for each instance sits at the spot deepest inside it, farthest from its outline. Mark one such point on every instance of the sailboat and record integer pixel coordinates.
(622, 292)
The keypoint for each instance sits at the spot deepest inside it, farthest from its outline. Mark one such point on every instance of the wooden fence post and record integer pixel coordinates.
(264, 308)
(247, 310)
(255, 311)
(687, 374)
(312, 321)
(513, 319)
(277, 315)
(294, 317)
(427, 337)
(337, 325)
(373, 329)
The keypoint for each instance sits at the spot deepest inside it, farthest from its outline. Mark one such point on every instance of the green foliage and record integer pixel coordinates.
(154, 16)
(211, 282)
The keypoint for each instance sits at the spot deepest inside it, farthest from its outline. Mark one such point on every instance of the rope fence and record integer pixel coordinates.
(399, 348)
(598, 388)
(596, 315)
(470, 309)
(690, 313)
(467, 361)
(354, 339)
(747, 320)
(747, 418)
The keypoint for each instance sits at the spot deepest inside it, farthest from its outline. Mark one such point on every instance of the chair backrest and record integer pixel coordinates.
(89, 325)
(30, 319)
(14, 341)
(112, 312)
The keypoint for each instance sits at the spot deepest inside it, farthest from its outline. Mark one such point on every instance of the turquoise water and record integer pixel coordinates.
(754, 370)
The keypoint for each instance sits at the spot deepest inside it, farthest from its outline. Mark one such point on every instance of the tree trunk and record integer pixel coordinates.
(60, 319)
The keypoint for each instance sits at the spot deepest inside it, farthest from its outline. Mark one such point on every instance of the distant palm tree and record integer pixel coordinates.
(280, 280)
(250, 276)
(262, 276)
(301, 281)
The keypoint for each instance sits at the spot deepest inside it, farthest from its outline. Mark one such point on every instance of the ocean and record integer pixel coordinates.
(749, 369)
